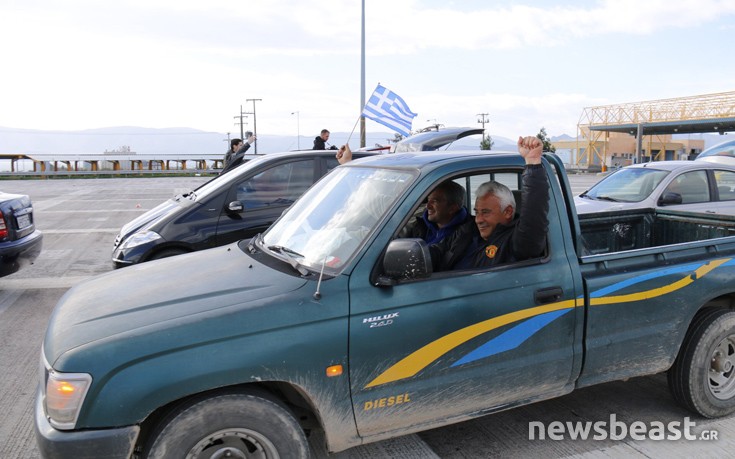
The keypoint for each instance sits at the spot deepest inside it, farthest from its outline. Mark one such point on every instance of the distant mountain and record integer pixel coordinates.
(181, 140)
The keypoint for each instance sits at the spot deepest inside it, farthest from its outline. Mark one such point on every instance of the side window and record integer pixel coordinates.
(331, 163)
(692, 186)
(510, 179)
(455, 254)
(725, 181)
(280, 185)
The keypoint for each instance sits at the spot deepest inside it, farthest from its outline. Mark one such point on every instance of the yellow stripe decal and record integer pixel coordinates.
(423, 357)
(413, 363)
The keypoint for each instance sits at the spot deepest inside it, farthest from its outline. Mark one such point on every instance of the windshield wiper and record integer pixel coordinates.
(607, 198)
(290, 257)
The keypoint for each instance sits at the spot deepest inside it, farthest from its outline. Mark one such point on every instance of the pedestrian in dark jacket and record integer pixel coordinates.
(496, 236)
(320, 141)
(234, 159)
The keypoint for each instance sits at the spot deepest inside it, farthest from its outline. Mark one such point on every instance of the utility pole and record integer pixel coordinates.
(362, 79)
(483, 119)
(255, 121)
(241, 122)
(298, 134)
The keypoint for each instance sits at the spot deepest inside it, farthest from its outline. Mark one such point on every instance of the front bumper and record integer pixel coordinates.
(117, 443)
(16, 254)
(123, 256)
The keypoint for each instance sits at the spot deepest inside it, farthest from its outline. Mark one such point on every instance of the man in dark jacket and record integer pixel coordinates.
(495, 236)
(445, 212)
(232, 160)
(320, 141)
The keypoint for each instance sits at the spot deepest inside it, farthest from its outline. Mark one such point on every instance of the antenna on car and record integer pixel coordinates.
(317, 294)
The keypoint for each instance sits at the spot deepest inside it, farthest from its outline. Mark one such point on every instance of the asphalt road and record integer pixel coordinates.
(80, 219)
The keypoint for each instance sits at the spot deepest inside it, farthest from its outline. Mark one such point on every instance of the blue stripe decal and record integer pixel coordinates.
(512, 338)
(635, 280)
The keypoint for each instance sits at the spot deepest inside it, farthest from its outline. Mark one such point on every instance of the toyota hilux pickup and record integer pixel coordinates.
(330, 322)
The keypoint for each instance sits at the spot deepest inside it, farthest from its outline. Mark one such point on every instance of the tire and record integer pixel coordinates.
(233, 425)
(702, 378)
(165, 253)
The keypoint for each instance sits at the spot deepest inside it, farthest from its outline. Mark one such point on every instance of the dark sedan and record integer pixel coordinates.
(236, 205)
(20, 241)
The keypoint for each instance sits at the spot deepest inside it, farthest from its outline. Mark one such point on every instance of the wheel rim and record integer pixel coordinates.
(234, 444)
(722, 369)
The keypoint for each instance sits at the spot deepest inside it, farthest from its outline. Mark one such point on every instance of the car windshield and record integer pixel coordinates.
(207, 188)
(627, 185)
(723, 149)
(330, 222)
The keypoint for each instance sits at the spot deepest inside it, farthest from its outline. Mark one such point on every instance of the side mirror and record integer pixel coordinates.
(235, 206)
(405, 259)
(669, 198)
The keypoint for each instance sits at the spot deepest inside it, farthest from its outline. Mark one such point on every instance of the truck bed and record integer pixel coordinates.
(618, 231)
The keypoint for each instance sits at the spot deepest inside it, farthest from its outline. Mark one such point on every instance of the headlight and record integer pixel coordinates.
(140, 238)
(65, 394)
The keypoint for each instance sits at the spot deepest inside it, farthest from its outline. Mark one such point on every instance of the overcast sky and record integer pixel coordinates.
(79, 64)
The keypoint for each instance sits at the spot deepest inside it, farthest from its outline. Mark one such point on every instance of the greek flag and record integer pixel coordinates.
(387, 108)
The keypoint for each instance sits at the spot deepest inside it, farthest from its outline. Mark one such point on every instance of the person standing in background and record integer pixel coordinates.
(320, 141)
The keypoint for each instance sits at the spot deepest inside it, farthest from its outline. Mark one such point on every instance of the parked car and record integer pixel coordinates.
(20, 241)
(242, 202)
(236, 205)
(696, 186)
(723, 153)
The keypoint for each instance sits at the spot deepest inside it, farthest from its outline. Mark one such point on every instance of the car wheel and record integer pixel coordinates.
(702, 378)
(165, 253)
(233, 425)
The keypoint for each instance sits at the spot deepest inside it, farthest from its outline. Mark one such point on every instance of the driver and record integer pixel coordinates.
(496, 236)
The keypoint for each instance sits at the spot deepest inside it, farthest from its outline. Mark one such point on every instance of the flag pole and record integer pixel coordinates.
(353, 129)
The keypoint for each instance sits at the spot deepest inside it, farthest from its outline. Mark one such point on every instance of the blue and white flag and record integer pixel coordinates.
(387, 108)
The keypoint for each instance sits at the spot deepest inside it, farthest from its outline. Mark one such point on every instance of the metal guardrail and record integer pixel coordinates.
(109, 173)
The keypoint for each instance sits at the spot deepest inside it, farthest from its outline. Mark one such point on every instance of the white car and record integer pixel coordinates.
(723, 153)
(696, 186)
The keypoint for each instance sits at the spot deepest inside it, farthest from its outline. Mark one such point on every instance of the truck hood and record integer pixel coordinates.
(158, 295)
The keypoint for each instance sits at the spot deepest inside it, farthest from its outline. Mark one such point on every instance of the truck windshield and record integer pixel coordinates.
(330, 222)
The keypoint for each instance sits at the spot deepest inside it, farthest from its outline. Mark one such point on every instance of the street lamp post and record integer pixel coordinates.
(483, 119)
(298, 133)
(255, 125)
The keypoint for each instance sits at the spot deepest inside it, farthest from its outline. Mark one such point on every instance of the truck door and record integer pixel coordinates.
(462, 343)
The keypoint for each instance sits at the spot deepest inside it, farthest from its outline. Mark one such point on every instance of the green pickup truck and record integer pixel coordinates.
(331, 323)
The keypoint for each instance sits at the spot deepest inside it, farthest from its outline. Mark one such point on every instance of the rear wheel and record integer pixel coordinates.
(703, 377)
(230, 426)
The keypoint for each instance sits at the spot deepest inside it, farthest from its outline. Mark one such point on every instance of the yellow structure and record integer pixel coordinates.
(622, 134)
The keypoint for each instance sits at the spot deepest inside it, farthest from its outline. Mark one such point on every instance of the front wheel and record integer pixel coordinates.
(702, 378)
(233, 426)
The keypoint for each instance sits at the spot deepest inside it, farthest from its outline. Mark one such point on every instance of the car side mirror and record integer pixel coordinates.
(235, 206)
(669, 198)
(405, 259)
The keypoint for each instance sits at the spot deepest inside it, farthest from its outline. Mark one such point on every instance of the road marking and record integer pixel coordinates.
(41, 283)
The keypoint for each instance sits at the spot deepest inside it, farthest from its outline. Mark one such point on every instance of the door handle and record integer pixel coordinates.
(548, 295)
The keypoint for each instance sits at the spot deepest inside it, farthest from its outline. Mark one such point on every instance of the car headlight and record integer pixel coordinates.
(65, 394)
(140, 238)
